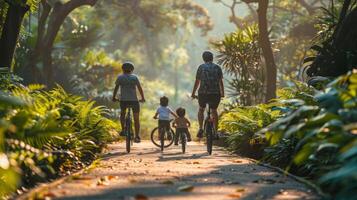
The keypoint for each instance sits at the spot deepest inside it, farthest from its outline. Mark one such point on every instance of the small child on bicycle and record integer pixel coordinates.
(181, 123)
(163, 114)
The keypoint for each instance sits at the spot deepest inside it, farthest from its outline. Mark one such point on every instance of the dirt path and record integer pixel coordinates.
(146, 173)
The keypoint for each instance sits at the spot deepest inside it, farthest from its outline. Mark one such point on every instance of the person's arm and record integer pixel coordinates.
(141, 92)
(156, 114)
(221, 87)
(197, 83)
(174, 124)
(173, 113)
(188, 122)
(116, 88)
(195, 87)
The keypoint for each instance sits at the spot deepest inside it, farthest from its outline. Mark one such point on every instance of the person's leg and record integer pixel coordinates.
(200, 117)
(136, 111)
(137, 124)
(202, 101)
(188, 135)
(214, 105)
(214, 114)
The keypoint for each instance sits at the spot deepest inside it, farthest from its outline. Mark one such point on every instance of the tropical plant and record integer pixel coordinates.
(45, 134)
(240, 55)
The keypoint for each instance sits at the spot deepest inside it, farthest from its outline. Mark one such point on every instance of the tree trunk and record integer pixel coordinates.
(10, 33)
(47, 34)
(265, 44)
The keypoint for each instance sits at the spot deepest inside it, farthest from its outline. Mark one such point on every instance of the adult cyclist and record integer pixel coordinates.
(209, 82)
(127, 83)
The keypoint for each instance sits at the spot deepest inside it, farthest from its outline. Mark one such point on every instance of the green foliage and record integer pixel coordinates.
(313, 136)
(243, 122)
(240, 55)
(45, 134)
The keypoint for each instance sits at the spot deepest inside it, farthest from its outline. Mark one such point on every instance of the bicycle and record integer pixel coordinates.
(208, 129)
(183, 139)
(128, 130)
(163, 134)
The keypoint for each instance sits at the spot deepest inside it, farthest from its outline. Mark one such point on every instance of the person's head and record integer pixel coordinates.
(207, 56)
(127, 67)
(181, 112)
(164, 101)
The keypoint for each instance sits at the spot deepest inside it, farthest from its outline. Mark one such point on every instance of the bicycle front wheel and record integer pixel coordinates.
(128, 136)
(209, 136)
(168, 138)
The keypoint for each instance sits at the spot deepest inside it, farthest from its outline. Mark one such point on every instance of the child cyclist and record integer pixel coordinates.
(181, 123)
(127, 83)
(163, 114)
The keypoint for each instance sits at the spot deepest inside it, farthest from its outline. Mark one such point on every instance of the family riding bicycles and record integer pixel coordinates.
(209, 83)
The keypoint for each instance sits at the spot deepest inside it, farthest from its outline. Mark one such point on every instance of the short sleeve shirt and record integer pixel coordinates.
(209, 75)
(127, 85)
(164, 113)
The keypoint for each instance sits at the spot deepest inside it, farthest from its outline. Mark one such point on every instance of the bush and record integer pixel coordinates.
(45, 134)
(315, 137)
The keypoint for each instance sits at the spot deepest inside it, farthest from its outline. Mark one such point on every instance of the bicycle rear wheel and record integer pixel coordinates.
(128, 135)
(209, 136)
(155, 138)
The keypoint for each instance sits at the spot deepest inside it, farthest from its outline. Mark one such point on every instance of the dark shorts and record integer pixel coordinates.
(164, 124)
(133, 104)
(212, 99)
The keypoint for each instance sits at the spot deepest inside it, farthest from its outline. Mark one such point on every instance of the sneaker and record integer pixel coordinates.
(189, 139)
(176, 144)
(200, 133)
(137, 139)
(122, 133)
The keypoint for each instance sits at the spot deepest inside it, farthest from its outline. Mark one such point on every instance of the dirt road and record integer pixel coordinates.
(146, 173)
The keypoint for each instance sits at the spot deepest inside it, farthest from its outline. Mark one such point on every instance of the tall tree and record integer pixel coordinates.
(50, 22)
(10, 31)
(271, 70)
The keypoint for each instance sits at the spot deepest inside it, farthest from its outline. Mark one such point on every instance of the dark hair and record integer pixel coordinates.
(207, 56)
(164, 101)
(181, 112)
(127, 67)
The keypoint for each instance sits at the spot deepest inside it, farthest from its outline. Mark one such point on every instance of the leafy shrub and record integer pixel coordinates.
(310, 135)
(44, 134)
(319, 140)
(242, 122)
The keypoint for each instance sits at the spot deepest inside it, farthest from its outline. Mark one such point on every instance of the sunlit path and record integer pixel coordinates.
(147, 173)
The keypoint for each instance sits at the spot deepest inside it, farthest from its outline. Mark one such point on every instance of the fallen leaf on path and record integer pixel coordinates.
(186, 188)
(138, 160)
(110, 177)
(240, 190)
(196, 162)
(141, 197)
(237, 161)
(234, 195)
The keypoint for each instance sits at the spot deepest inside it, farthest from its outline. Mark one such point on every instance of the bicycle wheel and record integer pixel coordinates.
(128, 135)
(155, 138)
(183, 142)
(209, 136)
